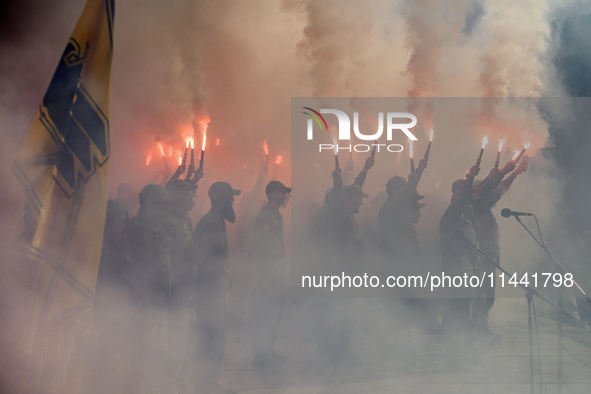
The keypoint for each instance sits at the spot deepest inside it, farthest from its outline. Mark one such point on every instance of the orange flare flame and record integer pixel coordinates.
(265, 148)
(160, 148)
(204, 128)
(190, 142)
(278, 159)
(437, 185)
(217, 141)
(148, 159)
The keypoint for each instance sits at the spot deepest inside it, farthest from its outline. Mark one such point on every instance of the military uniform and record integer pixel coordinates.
(268, 255)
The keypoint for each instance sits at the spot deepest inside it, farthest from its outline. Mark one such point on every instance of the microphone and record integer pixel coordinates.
(507, 212)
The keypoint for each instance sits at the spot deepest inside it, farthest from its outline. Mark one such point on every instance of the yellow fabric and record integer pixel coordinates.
(63, 165)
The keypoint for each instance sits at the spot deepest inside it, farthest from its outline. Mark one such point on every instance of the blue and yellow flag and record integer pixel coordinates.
(63, 166)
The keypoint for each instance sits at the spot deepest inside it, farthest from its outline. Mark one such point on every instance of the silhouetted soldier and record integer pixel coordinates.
(151, 248)
(338, 247)
(458, 223)
(183, 261)
(268, 253)
(344, 244)
(488, 239)
(458, 260)
(396, 219)
(213, 284)
(399, 245)
(150, 285)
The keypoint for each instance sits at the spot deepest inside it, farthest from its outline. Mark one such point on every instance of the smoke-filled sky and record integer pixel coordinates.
(240, 63)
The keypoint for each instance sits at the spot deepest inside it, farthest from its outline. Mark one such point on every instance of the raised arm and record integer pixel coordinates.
(369, 162)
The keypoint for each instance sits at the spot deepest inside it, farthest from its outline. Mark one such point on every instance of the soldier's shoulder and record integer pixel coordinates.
(207, 221)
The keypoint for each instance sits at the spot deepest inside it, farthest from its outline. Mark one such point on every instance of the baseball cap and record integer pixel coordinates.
(396, 182)
(274, 186)
(417, 196)
(354, 190)
(155, 193)
(222, 189)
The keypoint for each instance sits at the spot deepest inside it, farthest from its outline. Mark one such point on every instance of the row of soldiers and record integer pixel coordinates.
(337, 245)
(163, 285)
(177, 279)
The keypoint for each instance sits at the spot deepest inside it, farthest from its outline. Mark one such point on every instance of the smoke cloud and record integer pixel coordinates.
(239, 64)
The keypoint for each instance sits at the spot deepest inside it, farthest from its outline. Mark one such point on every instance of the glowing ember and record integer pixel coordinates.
(265, 148)
(217, 141)
(501, 143)
(484, 141)
(278, 159)
(160, 148)
(410, 148)
(204, 128)
(148, 159)
(431, 135)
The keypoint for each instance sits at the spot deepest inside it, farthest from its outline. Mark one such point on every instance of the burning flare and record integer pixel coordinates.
(278, 159)
(148, 159)
(515, 154)
(204, 128)
(501, 143)
(525, 146)
(265, 148)
(429, 144)
(217, 141)
(160, 148)
(484, 141)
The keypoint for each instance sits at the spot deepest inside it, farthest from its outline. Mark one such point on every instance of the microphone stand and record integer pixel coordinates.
(560, 302)
(529, 294)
